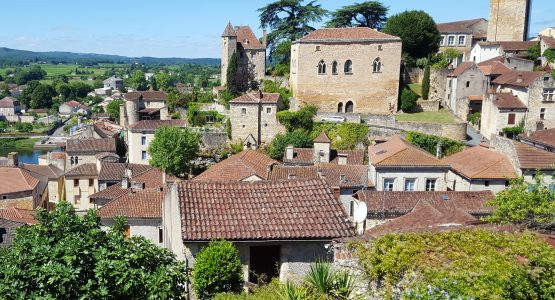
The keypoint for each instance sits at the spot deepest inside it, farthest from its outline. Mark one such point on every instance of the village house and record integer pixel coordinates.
(487, 50)
(346, 70)
(462, 35)
(321, 152)
(20, 188)
(501, 111)
(114, 82)
(112, 173)
(9, 106)
(150, 105)
(248, 165)
(464, 83)
(100, 129)
(84, 151)
(73, 107)
(141, 133)
(479, 169)
(54, 177)
(547, 42)
(253, 118)
(10, 219)
(397, 165)
(81, 182)
(493, 68)
(253, 216)
(542, 139)
(251, 53)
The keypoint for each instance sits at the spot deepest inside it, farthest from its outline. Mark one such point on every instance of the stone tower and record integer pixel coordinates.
(508, 20)
(229, 46)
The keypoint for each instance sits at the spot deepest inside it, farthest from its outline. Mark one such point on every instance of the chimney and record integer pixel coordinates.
(260, 94)
(519, 78)
(264, 38)
(342, 159)
(122, 117)
(164, 179)
(125, 182)
(128, 172)
(439, 152)
(13, 160)
(137, 186)
(289, 152)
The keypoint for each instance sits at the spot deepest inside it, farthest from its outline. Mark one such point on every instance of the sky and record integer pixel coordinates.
(182, 28)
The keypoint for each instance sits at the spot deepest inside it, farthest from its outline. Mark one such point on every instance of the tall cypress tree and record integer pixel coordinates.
(232, 75)
(426, 82)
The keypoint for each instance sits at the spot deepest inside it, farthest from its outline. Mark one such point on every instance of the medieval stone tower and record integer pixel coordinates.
(508, 20)
(229, 46)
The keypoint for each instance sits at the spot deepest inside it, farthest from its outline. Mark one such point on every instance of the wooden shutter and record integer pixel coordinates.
(511, 119)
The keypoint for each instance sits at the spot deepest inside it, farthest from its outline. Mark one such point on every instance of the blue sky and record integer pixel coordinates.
(180, 28)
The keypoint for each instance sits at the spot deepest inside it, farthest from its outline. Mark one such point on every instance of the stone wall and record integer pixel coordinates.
(16, 118)
(386, 125)
(351, 118)
(438, 81)
(413, 75)
(506, 147)
(213, 140)
(508, 20)
(427, 105)
(20, 200)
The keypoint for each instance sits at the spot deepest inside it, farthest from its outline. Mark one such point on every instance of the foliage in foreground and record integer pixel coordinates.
(69, 257)
(429, 143)
(477, 264)
(217, 270)
(173, 148)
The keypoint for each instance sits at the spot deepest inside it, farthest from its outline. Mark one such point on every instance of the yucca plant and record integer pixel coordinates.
(344, 284)
(293, 292)
(320, 278)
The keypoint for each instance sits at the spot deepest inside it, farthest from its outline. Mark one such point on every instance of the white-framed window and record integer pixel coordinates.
(410, 184)
(542, 113)
(243, 110)
(143, 140)
(442, 41)
(388, 184)
(451, 40)
(462, 40)
(143, 155)
(268, 110)
(430, 184)
(548, 94)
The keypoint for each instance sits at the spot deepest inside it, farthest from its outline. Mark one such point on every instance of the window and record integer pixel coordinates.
(160, 235)
(430, 185)
(380, 47)
(143, 140)
(340, 107)
(462, 40)
(377, 65)
(348, 68)
(317, 48)
(486, 183)
(241, 54)
(334, 68)
(388, 184)
(4, 197)
(548, 94)
(409, 184)
(91, 182)
(511, 120)
(244, 111)
(442, 41)
(75, 182)
(342, 178)
(451, 40)
(143, 155)
(468, 84)
(321, 67)
(349, 107)
(77, 199)
(542, 113)
(268, 110)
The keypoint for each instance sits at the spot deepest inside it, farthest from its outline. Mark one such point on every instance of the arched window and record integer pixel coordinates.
(349, 107)
(334, 67)
(377, 65)
(340, 107)
(348, 68)
(321, 67)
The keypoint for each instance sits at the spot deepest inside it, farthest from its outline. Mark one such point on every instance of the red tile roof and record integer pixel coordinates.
(238, 167)
(304, 156)
(508, 101)
(18, 215)
(481, 163)
(354, 175)
(84, 170)
(13, 180)
(544, 137)
(144, 204)
(511, 45)
(518, 78)
(272, 210)
(398, 152)
(254, 97)
(293, 173)
(110, 193)
(57, 155)
(322, 138)
(475, 98)
(549, 41)
(532, 158)
(152, 125)
(246, 38)
(91, 145)
(50, 171)
(116, 171)
(75, 104)
(8, 102)
(493, 67)
(461, 68)
(146, 96)
(457, 26)
(347, 34)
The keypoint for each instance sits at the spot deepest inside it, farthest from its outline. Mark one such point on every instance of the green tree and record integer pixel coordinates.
(366, 14)
(4, 90)
(233, 77)
(138, 81)
(217, 270)
(426, 83)
(534, 52)
(113, 109)
(67, 256)
(164, 81)
(289, 20)
(522, 203)
(298, 138)
(301, 119)
(42, 95)
(408, 99)
(417, 30)
(281, 57)
(173, 148)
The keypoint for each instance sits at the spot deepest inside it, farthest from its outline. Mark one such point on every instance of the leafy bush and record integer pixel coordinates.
(408, 99)
(228, 128)
(478, 264)
(301, 119)
(23, 127)
(272, 87)
(324, 282)
(426, 83)
(429, 143)
(176, 115)
(344, 136)
(534, 52)
(199, 118)
(217, 270)
(474, 118)
(549, 54)
(298, 138)
(268, 292)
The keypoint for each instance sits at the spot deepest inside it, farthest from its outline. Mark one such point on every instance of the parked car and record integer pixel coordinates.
(334, 119)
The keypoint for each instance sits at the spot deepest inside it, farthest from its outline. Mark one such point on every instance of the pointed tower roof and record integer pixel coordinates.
(322, 138)
(229, 30)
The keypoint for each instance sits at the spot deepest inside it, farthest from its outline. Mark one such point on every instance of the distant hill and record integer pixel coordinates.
(13, 56)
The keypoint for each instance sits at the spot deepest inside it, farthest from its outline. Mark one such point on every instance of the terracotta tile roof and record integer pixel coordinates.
(254, 97)
(8, 102)
(475, 98)
(15, 180)
(425, 216)
(238, 167)
(398, 152)
(91, 145)
(517, 46)
(549, 41)
(322, 138)
(481, 163)
(293, 173)
(532, 158)
(518, 78)
(144, 204)
(461, 68)
(116, 171)
(489, 68)
(354, 175)
(457, 26)
(269, 210)
(229, 31)
(84, 170)
(246, 38)
(110, 193)
(146, 96)
(50, 171)
(399, 203)
(347, 34)
(57, 155)
(107, 129)
(544, 137)
(152, 125)
(18, 215)
(153, 178)
(75, 104)
(304, 156)
(508, 101)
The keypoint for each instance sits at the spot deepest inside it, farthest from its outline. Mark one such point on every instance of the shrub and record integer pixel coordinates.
(272, 87)
(176, 115)
(429, 143)
(474, 118)
(298, 138)
(23, 127)
(426, 83)
(228, 128)
(549, 54)
(408, 99)
(217, 270)
(344, 136)
(301, 119)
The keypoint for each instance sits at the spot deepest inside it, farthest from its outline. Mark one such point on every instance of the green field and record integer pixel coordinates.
(67, 69)
(417, 88)
(438, 117)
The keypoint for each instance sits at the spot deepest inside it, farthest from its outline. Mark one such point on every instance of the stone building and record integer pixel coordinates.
(20, 189)
(466, 80)
(483, 51)
(82, 151)
(248, 165)
(541, 139)
(347, 70)
(251, 52)
(141, 134)
(9, 106)
(509, 20)
(462, 35)
(140, 106)
(499, 111)
(253, 118)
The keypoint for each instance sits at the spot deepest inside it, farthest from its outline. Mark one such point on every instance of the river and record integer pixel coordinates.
(25, 155)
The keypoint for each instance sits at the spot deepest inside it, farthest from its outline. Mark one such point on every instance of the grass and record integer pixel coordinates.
(19, 143)
(417, 88)
(437, 117)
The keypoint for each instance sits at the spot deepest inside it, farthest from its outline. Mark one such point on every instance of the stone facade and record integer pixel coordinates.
(147, 228)
(341, 73)
(386, 125)
(462, 35)
(509, 20)
(459, 86)
(459, 183)
(78, 190)
(494, 119)
(399, 176)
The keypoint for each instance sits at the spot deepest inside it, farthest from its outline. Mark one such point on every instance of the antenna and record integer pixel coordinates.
(360, 211)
